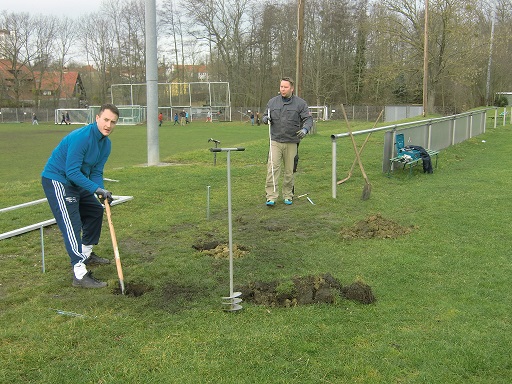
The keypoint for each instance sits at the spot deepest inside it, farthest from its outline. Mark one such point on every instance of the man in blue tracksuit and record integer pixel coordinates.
(71, 177)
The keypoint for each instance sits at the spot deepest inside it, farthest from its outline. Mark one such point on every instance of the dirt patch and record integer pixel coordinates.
(375, 226)
(305, 290)
(174, 292)
(220, 250)
(133, 289)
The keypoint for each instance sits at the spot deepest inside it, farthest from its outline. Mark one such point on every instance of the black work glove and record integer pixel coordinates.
(266, 119)
(103, 195)
(302, 133)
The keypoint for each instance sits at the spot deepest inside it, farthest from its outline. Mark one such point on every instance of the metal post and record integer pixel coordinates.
(208, 202)
(233, 299)
(152, 84)
(217, 142)
(42, 248)
(333, 166)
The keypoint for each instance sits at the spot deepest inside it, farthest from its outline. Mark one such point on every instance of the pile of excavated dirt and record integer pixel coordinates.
(220, 250)
(305, 290)
(375, 226)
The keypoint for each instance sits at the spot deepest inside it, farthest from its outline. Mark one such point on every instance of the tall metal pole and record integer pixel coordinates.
(152, 83)
(425, 62)
(300, 47)
(489, 64)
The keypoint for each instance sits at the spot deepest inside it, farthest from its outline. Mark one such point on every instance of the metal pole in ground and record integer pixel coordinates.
(42, 248)
(207, 202)
(217, 142)
(233, 300)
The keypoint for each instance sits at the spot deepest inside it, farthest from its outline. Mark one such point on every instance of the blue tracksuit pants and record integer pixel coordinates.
(78, 213)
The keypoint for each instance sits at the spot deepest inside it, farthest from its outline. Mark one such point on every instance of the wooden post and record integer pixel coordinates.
(300, 47)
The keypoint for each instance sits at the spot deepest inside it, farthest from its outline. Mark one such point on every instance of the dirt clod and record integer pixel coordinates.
(305, 290)
(375, 226)
(358, 291)
(221, 251)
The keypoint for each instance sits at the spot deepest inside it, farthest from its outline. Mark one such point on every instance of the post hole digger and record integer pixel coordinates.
(114, 245)
(367, 189)
(360, 151)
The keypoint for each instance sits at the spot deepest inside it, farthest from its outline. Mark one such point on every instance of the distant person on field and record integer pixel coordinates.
(68, 120)
(176, 118)
(290, 121)
(258, 121)
(183, 115)
(186, 118)
(209, 116)
(34, 119)
(71, 178)
(160, 119)
(252, 118)
(63, 120)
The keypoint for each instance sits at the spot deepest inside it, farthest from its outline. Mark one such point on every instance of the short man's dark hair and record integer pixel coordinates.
(110, 107)
(288, 79)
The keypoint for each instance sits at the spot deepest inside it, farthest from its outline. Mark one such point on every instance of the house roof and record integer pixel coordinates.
(46, 81)
(7, 71)
(50, 82)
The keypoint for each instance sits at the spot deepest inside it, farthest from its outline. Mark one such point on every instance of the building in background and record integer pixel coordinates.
(21, 87)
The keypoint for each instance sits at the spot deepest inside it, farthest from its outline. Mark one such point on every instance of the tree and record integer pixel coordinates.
(97, 38)
(16, 49)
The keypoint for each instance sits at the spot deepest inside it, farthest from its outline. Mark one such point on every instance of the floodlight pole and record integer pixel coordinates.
(425, 62)
(488, 100)
(152, 83)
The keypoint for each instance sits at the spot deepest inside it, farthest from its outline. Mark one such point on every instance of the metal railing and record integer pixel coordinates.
(435, 134)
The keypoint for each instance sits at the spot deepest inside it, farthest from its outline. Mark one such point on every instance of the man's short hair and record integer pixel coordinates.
(110, 107)
(288, 79)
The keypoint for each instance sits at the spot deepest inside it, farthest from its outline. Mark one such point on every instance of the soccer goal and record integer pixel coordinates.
(196, 98)
(76, 116)
(128, 114)
(319, 112)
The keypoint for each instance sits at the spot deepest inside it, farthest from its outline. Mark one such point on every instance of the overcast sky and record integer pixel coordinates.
(51, 7)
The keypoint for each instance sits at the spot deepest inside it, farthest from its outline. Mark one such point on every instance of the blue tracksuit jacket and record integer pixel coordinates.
(79, 159)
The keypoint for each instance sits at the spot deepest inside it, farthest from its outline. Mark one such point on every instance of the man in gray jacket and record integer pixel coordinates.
(289, 121)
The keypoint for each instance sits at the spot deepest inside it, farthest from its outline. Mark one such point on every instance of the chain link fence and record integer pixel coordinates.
(354, 112)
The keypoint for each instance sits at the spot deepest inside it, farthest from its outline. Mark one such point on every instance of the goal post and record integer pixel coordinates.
(128, 115)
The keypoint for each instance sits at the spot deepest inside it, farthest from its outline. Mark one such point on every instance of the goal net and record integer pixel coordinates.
(128, 114)
(197, 98)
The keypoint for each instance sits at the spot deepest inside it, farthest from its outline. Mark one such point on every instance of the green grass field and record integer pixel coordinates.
(442, 313)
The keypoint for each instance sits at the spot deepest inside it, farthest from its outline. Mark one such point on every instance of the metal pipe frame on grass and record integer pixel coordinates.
(42, 224)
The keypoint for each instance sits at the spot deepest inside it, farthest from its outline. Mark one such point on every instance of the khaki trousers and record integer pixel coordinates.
(280, 153)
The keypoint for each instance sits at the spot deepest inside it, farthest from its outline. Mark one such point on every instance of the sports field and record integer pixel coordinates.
(439, 265)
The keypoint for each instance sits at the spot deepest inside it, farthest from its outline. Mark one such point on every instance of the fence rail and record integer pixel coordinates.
(433, 134)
